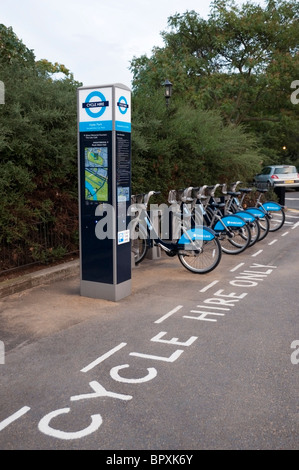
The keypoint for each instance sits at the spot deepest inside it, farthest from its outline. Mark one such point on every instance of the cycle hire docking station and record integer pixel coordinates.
(104, 171)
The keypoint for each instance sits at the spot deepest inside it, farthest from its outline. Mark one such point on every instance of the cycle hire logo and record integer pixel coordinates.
(95, 110)
(91, 106)
(122, 105)
(123, 111)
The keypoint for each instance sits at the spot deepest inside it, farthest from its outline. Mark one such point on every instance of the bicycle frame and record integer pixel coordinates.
(185, 242)
(190, 238)
(236, 205)
(218, 222)
(265, 208)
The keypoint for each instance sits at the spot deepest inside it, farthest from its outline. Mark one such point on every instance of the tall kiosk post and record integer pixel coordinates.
(104, 170)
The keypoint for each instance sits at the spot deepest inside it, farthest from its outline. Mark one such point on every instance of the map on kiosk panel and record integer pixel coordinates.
(96, 173)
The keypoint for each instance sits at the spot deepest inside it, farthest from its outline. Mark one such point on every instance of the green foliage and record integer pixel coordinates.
(230, 113)
(38, 143)
(12, 49)
(45, 256)
(241, 61)
(187, 146)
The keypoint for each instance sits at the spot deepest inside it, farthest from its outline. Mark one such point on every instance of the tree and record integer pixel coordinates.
(240, 61)
(186, 146)
(12, 49)
(38, 145)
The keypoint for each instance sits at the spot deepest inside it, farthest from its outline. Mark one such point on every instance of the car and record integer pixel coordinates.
(273, 176)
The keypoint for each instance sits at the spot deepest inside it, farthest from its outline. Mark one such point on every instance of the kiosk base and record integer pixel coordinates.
(98, 290)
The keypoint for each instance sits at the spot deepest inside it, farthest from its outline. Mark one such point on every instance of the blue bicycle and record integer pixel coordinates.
(232, 230)
(197, 248)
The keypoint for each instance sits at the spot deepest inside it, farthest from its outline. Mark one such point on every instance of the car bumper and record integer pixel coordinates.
(286, 184)
(278, 184)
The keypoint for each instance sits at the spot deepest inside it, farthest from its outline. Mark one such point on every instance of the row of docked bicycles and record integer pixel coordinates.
(203, 226)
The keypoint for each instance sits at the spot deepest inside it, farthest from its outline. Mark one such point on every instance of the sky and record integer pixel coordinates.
(95, 39)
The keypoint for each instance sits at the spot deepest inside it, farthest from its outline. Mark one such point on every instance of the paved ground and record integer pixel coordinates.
(234, 387)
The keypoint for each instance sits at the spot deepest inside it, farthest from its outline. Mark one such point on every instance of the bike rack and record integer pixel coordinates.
(153, 252)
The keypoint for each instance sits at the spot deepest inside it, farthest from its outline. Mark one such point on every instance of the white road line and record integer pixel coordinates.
(204, 289)
(292, 216)
(295, 225)
(273, 241)
(13, 417)
(208, 306)
(237, 267)
(169, 314)
(103, 357)
(284, 234)
(257, 253)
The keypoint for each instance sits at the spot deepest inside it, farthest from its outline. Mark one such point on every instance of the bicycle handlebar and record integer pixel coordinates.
(143, 198)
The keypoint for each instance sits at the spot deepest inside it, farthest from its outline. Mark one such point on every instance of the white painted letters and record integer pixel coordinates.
(173, 340)
(152, 372)
(100, 391)
(44, 426)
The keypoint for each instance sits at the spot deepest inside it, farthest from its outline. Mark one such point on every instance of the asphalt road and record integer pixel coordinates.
(292, 199)
(186, 361)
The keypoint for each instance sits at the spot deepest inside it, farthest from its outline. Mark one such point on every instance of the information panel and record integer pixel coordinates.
(97, 161)
(104, 153)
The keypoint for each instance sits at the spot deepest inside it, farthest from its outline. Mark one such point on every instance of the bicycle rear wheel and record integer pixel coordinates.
(203, 260)
(139, 244)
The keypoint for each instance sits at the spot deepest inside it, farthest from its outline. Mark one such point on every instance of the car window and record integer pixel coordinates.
(266, 170)
(285, 170)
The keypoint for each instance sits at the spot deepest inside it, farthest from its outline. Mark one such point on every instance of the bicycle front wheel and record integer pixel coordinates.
(276, 219)
(139, 244)
(203, 260)
(264, 226)
(238, 240)
(255, 232)
(263, 220)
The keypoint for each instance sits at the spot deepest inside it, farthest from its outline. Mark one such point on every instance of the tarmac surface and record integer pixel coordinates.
(233, 387)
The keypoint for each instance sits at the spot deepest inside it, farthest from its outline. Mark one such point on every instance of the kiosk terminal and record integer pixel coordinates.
(104, 172)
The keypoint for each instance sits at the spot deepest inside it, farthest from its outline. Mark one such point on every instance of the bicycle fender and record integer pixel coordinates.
(246, 216)
(229, 221)
(256, 212)
(197, 233)
(271, 206)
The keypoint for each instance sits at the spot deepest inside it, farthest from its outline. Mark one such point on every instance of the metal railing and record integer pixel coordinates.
(45, 242)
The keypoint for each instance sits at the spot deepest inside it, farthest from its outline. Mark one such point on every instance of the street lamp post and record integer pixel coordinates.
(167, 91)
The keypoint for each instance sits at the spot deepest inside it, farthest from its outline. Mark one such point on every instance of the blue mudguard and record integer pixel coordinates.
(246, 216)
(197, 233)
(259, 213)
(229, 221)
(271, 206)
